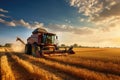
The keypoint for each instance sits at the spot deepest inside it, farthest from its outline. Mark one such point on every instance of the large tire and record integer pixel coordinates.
(28, 49)
(56, 47)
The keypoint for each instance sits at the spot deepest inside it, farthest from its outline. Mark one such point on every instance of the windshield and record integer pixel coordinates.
(48, 39)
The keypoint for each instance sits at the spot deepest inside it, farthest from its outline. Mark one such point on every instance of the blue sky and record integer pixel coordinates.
(83, 20)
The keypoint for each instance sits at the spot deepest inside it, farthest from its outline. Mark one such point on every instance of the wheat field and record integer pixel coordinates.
(86, 64)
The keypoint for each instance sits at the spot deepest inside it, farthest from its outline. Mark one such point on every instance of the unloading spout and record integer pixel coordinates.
(18, 39)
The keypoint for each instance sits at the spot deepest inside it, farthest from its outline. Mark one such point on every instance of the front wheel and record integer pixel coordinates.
(28, 49)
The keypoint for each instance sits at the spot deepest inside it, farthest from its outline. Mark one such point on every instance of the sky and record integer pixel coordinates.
(84, 22)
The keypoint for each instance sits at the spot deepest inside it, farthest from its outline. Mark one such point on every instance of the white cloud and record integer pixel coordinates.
(2, 10)
(67, 21)
(97, 10)
(7, 23)
(82, 19)
(71, 29)
(2, 15)
(88, 7)
(27, 24)
(22, 23)
(1, 20)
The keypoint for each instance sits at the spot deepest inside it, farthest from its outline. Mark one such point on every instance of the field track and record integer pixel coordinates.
(19, 66)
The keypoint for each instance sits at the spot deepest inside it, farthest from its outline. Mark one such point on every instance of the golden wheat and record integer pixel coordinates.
(2, 49)
(86, 64)
(98, 54)
(108, 67)
(34, 70)
(105, 59)
(76, 72)
(6, 73)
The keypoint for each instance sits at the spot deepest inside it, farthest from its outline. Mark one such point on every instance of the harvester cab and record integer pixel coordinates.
(43, 39)
(42, 42)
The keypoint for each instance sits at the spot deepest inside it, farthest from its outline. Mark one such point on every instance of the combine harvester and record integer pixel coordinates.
(42, 42)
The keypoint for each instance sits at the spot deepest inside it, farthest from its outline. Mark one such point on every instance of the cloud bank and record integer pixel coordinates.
(72, 29)
(21, 22)
(104, 14)
(4, 11)
(98, 10)
(2, 15)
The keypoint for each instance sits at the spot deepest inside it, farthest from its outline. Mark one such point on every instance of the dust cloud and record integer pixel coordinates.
(18, 47)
